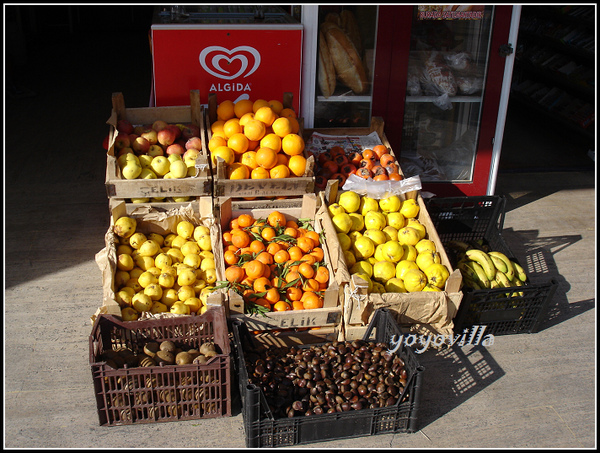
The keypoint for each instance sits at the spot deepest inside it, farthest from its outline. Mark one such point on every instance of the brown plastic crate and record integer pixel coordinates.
(133, 395)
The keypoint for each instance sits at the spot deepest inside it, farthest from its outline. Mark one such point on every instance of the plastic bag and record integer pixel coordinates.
(381, 189)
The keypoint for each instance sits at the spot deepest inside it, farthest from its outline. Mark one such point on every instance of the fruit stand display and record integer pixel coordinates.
(158, 262)
(293, 395)
(256, 149)
(396, 260)
(279, 273)
(157, 154)
(498, 292)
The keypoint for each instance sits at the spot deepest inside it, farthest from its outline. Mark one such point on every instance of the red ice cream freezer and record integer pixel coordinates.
(251, 52)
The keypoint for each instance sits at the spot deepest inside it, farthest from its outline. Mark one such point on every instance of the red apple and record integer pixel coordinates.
(122, 141)
(105, 142)
(175, 148)
(140, 145)
(175, 129)
(155, 150)
(125, 151)
(151, 135)
(139, 130)
(166, 136)
(159, 125)
(124, 126)
(190, 131)
(194, 142)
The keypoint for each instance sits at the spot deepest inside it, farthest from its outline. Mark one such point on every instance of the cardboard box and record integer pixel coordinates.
(119, 187)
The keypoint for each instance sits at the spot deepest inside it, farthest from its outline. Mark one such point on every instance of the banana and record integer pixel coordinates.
(457, 245)
(494, 284)
(475, 272)
(484, 260)
(517, 282)
(499, 256)
(502, 279)
(519, 272)
(498, 263)
(470, 283)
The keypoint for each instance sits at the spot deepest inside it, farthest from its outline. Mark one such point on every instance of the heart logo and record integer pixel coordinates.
(215, 60)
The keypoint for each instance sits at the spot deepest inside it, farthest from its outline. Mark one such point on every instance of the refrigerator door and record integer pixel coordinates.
(448, 66)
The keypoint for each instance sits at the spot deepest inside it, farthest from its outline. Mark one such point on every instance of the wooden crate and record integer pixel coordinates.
(441, 306)
(119, 187)
(328, 316)
(223, 187)
(160, 206)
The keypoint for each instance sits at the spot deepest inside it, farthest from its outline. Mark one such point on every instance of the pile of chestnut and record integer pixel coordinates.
(333, 377)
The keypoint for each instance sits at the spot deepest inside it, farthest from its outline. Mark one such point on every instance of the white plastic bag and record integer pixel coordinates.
(381, 189)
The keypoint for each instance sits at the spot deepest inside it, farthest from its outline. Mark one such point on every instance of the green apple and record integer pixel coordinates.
(350, 201)
(173, 157)
(132, 170)
(358, 222)
(396, 220)
(147, 173)
(342, 223)
(390, 204)
(161, 165)
(335, 209)
(383, 271)
(377, 236)
(368, 204)
(155, 150)
(363, 248)
(393, 251)
(375, 220)
(178, 169)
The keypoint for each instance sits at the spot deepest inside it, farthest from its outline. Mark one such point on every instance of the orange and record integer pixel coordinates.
(292, 144)
(306, 270)
(318, 253)
(291, 224)
(249, 160)
(311, 300)
(314, 236)
(295, 253)
(225, 153)
(308, 258)
(272, 295)
(266, 158)
(297, 165)
(293, 232)
(261, 284)
(311, 284)
(245, 220)
(243, 106)
(240, 238)
(254, 269)
(273, 248)
(297, 305)
(234, 224)
(265, 257)
(253, 145)
(255, 129)
(238, 171)
(268, 233)
(257, 246)
(217, 126)
(216, 141)
(266, 115)
(276, 106)
(305, 243)
(282, 159)
(230, 257)
(276, 218)
(234, 274)
(292, 276)
(238, 142)
(258, 104)
(260, 173)
(288, 112)
(279, 171)
(294, 293)
(231, 127)
(245, 118)
(227, 237)
(225, 110)
(280, 257)
(322, 274)
(272, 141)
(295, 125)
(262, 302)
(281, 306)
(282, 126)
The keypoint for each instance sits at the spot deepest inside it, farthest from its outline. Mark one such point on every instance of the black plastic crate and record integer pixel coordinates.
(139, 394)
(265, 429)
(501, 311)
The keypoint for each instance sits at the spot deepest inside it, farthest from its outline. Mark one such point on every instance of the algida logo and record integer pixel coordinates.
(217, 61)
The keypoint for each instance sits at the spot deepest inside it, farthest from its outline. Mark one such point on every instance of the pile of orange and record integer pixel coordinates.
(376, 163)
(257, 140)
(275, 263)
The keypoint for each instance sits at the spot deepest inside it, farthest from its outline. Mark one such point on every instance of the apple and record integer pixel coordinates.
(159, 125)
(140, 145)
(131, 170)
(178, 169)
(145, 160)
(160, 165)
(191, 154)
(190, 131)
(151, 135)
(122, 141)
(138, 130)
(155, 150)
(173, 157)
(166, 137)
(175, 148)
(124, 126)
(193, 143)
(125, 151)
(105, 142)
(175, 129)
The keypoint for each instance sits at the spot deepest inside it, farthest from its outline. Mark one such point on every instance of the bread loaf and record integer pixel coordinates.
(350, 27)
(325, 69)
(346, 60)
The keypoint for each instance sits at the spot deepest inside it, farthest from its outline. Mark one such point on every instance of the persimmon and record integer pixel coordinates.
(355, 158)
(386, 159)
(380, 150)
(396, 177)
(340, 177)
(340, 159)
(363, 173)
(368, 154)
(378, 170)
(366, 163)
(335, 151)
(392, 168)
(323, 157)
(381, 177)
(348, 169)
(330, 167)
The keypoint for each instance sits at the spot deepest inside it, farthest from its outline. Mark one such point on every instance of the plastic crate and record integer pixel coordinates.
(133, 395)
(264, 429)
(502, 312)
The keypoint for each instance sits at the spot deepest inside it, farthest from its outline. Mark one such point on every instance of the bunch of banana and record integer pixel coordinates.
(482, 269)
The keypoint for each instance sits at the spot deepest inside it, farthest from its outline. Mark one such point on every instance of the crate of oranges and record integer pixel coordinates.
(257, 149)
(277, 267)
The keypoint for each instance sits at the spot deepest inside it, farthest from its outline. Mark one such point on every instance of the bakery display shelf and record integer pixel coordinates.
(452, 98)
(344, 98)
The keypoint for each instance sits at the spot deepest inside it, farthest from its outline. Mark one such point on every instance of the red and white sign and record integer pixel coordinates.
(236, 63)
